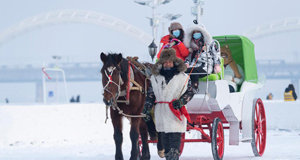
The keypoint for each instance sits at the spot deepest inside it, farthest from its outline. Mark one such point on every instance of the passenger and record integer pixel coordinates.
(174, 40)
(168, 84)
(204, 60)
(233, 72)
(290, 94)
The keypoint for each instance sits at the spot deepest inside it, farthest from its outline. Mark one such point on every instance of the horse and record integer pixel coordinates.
(116, 77)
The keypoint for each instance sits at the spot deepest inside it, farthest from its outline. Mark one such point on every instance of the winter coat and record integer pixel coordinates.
(206, 60)
(165, 120)
(163, 89)
(229, 74)
(181, 51)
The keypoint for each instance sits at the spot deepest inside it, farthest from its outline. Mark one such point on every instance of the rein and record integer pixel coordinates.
(138, 87)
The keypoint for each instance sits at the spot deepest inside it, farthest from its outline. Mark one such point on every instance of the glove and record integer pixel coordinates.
(177, 104)
(167, 46)
(217, 69)
(146, 111)
(176, 41)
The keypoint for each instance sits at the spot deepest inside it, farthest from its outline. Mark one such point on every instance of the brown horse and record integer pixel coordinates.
(115, 80)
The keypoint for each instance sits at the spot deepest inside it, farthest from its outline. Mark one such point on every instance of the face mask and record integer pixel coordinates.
(176, 33)
(197, 35)
(166, 69)
(168, 72)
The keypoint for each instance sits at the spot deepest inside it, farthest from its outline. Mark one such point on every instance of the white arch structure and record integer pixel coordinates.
(65, 16)
(288, 24)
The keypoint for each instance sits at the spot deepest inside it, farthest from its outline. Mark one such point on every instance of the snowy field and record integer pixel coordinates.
(78, 132)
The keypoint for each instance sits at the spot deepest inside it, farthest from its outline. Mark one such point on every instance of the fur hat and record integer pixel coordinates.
(189, 35)
(168, 54)
(174, 26)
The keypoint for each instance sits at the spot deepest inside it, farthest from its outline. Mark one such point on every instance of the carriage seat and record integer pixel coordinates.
(215, 76)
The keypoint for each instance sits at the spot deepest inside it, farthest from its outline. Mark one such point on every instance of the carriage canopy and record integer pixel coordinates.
(242, 50)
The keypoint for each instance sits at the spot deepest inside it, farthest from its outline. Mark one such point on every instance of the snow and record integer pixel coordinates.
(78, 132)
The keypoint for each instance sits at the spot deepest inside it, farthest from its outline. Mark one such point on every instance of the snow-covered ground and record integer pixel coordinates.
(78, 132)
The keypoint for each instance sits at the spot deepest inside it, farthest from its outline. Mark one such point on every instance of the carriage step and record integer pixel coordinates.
(246, 140)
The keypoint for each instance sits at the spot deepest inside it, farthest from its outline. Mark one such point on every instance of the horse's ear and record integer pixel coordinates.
(119, 58)
(103, 57)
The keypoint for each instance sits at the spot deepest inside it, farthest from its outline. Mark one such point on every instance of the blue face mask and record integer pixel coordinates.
(197, 35)
(176, 33)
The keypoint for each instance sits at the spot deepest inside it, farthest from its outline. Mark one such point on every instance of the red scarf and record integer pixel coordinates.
(177, 113)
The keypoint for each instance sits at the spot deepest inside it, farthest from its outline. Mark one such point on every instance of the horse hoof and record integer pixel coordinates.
(161, 153)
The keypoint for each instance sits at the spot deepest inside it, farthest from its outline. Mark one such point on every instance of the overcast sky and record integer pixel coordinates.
(77, 42)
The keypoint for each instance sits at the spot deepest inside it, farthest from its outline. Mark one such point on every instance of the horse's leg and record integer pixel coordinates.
(116, 119)
(144, 136)
(134, 136)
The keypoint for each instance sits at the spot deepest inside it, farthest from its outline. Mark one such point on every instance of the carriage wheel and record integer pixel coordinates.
(182, 143)
(259, 128)
(217, 139)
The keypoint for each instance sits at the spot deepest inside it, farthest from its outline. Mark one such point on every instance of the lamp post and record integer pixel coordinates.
(152, 48)
(198, 10)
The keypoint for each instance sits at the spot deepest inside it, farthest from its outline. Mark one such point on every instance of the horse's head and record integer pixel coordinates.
(111, 77)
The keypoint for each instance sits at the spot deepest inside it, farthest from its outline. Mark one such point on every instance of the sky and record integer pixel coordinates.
(81, 42)
(77, 42)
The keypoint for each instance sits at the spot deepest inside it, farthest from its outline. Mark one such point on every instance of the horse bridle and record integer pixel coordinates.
(114, 104)
(111, 70)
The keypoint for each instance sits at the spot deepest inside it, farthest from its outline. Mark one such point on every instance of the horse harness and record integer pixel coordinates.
(129, 87)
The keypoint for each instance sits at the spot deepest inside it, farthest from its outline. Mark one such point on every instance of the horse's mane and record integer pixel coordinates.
(111, 59)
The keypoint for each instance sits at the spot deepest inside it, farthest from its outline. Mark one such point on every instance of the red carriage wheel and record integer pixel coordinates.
(182, 143)
(140, 146)
(259, 128)
(217, 139)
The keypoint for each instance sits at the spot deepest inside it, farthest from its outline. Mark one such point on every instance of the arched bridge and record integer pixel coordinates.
(66, 16)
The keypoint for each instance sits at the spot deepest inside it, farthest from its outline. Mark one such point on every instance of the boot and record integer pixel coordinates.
(173, 154)
(161, 153)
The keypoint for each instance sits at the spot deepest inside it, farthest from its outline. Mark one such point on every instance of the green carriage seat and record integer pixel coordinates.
(215, 76)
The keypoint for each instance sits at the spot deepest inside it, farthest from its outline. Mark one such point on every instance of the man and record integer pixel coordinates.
(171, 89)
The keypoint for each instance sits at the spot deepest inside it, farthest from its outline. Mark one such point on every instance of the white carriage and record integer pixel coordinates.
(239, 111)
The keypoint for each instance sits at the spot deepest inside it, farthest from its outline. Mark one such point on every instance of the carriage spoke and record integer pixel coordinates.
(257, 113)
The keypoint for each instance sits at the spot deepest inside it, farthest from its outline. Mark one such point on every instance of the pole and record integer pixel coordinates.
(56, 82)
(44, 88)
(199, 13)
(154, 26)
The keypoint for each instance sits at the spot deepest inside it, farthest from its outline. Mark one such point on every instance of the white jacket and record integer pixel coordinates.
(165, 120)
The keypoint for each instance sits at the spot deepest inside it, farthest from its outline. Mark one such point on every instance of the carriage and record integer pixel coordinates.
(214, 108)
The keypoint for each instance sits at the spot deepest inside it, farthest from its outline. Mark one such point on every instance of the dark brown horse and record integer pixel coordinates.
(115, 79)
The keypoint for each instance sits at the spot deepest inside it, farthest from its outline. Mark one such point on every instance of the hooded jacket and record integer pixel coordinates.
(206, 60)
(181, 51)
